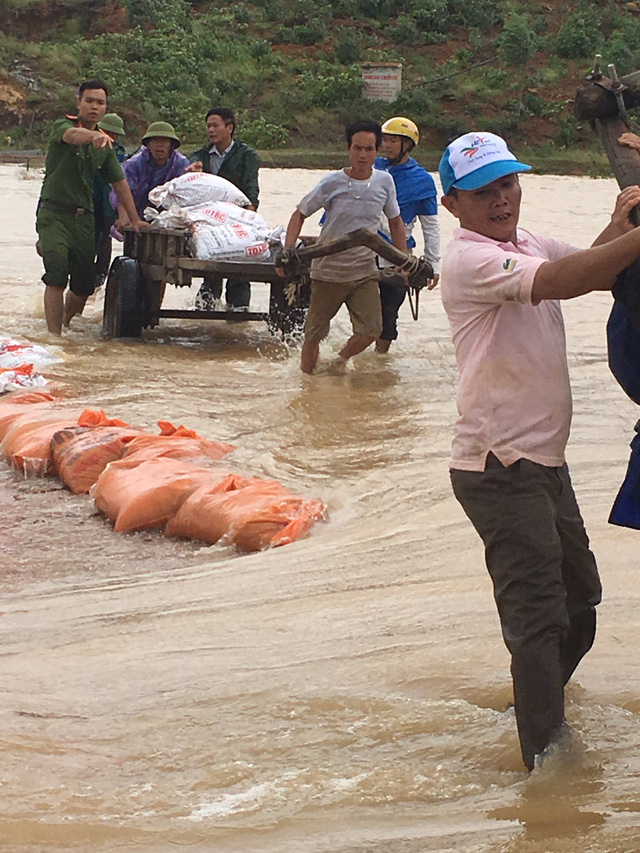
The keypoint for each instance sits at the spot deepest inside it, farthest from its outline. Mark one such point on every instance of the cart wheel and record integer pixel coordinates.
(123, 300)
(284, 319)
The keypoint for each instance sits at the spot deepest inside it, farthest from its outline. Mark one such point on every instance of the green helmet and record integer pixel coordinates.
(163, 129)
(113, 123)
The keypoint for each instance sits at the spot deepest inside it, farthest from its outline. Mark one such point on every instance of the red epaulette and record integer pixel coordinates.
(74, 118)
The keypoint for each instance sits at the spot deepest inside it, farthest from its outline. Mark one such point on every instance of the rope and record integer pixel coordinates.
(291, 291)
(414, 307)
(409, 266)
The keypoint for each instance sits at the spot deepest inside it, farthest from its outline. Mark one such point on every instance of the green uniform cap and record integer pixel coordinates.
(113, 123)
(163, 129)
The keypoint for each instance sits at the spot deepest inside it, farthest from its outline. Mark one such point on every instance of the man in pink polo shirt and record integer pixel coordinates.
(501, 287)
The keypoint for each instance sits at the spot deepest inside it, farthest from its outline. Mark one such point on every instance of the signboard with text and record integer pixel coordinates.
(382, 80)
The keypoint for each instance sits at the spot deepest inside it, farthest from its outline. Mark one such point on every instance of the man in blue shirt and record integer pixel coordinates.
(417, 197)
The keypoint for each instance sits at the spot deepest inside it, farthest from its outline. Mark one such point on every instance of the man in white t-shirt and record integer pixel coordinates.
(352, 198)
(501, 287)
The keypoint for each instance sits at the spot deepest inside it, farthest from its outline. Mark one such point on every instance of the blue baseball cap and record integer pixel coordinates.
(474, 160)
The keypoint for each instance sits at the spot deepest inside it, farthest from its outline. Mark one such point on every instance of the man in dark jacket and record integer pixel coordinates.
(238, 163)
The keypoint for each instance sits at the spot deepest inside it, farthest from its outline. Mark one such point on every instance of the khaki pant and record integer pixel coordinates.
(362, 299)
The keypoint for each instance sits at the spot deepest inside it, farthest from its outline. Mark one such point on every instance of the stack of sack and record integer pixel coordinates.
(215, 212)
(19, 361)
(175, 481)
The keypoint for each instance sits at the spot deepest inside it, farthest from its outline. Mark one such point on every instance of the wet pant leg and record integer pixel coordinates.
(545, 581)
(103, 255)
(238, 293)
(391, 298)
(580, 577)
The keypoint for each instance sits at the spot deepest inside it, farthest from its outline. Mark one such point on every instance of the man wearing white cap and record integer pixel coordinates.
(500, 288)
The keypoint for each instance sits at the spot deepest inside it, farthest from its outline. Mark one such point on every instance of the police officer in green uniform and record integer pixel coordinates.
(78, 150)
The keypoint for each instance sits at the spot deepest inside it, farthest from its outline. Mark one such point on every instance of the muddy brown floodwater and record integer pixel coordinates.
(345, 693)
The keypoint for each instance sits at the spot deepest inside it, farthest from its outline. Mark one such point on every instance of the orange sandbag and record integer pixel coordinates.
(26, 397)
(177, 443)
(97, 417)
(11, 412)
(27, 444)
(255, 515)
(142, 495)
(80, 454)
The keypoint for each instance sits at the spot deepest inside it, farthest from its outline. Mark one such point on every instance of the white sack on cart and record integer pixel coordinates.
(173, 218)
(223, 213)
(232, 242)
(196, 188)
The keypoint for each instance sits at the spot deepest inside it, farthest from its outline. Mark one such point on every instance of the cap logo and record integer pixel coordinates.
(475, 146)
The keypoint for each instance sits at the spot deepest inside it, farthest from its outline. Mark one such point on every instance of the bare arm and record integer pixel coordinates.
(293, 229)
(126, 201)
(398, 233)
(595, 268)
(84, 136)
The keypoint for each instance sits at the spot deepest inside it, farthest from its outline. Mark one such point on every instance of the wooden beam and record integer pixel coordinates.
(625, 162)
(596, 101)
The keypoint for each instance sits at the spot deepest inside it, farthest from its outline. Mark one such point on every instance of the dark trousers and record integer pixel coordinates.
(103, 255)
(545, 582)
(238, 293)
(391, 298)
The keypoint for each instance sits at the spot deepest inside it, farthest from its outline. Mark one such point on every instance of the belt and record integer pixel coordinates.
(64, 208)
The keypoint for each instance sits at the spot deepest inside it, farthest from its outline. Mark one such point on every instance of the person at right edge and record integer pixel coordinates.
(501, 287)
(238, 163)
(418, 200)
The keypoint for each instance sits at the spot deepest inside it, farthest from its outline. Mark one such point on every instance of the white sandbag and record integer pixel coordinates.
(233, 242)
(15, 380)
(196, 188)
(14, 353)
(223, 213)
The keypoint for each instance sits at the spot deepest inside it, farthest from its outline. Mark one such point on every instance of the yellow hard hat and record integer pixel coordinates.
(400, 126)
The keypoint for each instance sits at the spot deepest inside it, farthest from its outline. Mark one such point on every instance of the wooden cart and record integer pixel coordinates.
(156, 257)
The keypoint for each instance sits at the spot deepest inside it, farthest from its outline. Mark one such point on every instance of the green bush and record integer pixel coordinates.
(241, 13)
(405, 30)
(347, 45)
(260, 133)
(578, 37)
(482, 14)
(310, 33)
(619, 52)
(567, 133)
(517, 42)
(431, 16)
(331, 86)
(623, 47)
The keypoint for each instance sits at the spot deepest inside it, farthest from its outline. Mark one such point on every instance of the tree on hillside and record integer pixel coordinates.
(516, 46)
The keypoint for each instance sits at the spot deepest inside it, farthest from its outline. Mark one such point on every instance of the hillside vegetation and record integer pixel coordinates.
(291, 68)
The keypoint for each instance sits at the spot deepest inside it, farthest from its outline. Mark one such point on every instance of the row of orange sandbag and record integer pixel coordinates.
(143, 481)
